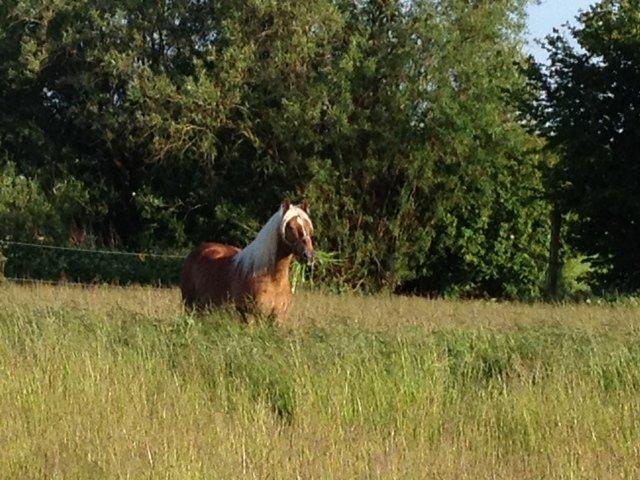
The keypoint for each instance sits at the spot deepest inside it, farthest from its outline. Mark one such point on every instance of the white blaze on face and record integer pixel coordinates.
(299, 214)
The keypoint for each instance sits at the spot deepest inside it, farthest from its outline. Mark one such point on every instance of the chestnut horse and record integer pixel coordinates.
(256, 277)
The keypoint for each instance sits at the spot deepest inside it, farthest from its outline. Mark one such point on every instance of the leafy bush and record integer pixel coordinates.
(28, 215)
(318, 274)
(25, 212)
(573, 276)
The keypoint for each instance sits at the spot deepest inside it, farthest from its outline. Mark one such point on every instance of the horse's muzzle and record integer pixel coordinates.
(308, 257)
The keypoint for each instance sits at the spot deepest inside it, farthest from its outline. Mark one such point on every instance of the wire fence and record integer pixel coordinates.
(35, 281)
(75, 266)
(86, 250)
(29, 262)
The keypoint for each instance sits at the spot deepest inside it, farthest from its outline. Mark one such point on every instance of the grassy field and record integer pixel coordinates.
(115, 383)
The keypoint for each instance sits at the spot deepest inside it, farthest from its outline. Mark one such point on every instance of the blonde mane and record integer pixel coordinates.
(260, 255)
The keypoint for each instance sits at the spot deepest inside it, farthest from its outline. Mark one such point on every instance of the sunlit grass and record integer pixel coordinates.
(114, 382)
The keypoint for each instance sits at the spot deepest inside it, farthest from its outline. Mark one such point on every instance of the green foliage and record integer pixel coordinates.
(317, 274)
(589, 110)
(23, 209)
(191, 121)
(27, 213)
(575, 271)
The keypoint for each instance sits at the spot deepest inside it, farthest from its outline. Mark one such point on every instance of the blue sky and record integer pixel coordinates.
(543, 18)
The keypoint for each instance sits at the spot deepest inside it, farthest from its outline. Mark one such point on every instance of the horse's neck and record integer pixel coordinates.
(283, 263)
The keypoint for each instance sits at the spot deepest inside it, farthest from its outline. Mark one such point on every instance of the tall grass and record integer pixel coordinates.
(115, 383)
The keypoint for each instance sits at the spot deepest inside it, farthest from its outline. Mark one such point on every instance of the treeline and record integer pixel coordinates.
(433, 153)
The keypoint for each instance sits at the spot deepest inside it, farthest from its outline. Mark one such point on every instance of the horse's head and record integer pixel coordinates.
(297, 231)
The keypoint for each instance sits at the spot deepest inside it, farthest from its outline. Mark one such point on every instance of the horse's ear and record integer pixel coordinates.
(305, 205)
(285, 206)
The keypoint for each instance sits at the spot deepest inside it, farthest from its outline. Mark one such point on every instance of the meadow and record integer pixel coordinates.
(111, 382)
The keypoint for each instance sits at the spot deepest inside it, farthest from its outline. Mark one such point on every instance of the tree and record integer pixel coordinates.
(188, 121)
(590, 112)
(430, 183)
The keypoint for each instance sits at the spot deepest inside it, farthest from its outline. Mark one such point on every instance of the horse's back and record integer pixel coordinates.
(205, 275)
(215, 251)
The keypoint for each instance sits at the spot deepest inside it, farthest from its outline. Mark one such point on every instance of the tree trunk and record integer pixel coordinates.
(554, 253)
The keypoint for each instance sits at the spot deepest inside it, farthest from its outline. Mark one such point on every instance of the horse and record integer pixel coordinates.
(256, 278)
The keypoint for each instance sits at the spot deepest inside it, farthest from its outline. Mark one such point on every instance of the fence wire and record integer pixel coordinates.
(114, 272)
(35, 281)
(86, 250)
